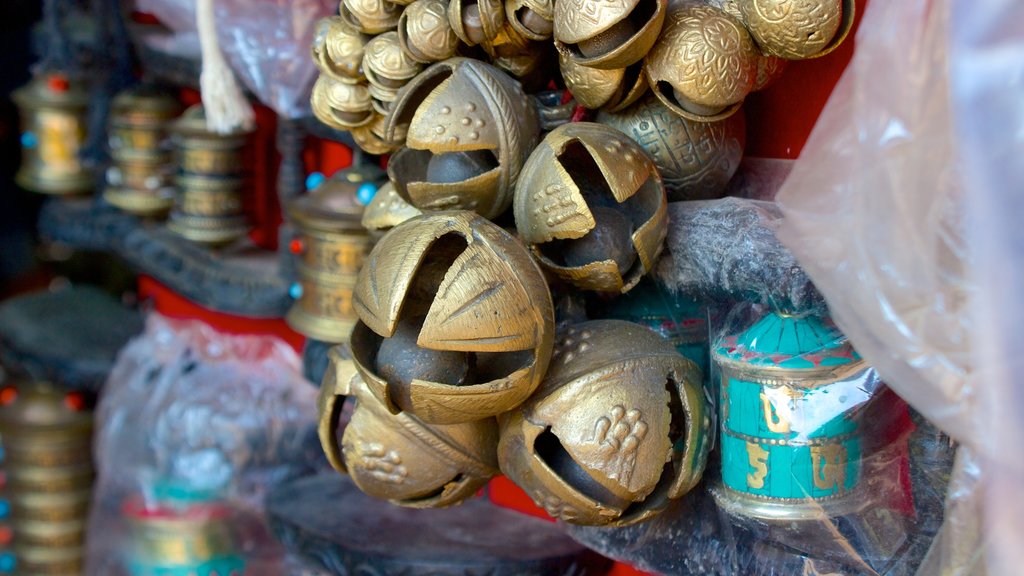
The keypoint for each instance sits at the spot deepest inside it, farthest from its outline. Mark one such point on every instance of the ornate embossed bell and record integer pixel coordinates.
(704, 64)
(53, 130)
(618, 427)
(456, 321)
(607, 35)
(798, 29)
(396, 456)
(370, 138)
(696, 160)
(387, 210)
(792, 395)
(596, 88)
(533, 19)
(591, 205)
(48, 476)
(331, 246)
(476, 22)
(370, 16)
(387, 69)
(140, 179)
(341, 105)
(337, 50)
(469, 129)
(424, 32)
(211, 176)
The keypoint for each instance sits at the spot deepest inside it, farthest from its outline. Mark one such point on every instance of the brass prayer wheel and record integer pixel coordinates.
(424, 32)
(396, 456)
(48, 475)
(469, 129)
(607, 35)
(337, 50)
(618, 427)
(592, 207)
(798, 29)
(330, 245)
(139, 181)
(704, 64)
(53, 131)
(210, 179)
(455, 319)
(696, 160)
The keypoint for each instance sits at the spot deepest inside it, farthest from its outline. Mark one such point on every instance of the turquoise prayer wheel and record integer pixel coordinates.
(791, 405)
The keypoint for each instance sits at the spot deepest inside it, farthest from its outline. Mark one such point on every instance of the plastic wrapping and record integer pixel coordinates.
(194, 428)
(266, 42)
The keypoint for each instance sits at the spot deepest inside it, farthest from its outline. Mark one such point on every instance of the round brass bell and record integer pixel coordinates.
(370, 16)
(424, 32)
(533, 19)
(53, 131)
(456, 321)
(600, 88)
(703, 65)
(341, 105)
(386, 65)
(618, 427)
(514, 53)
(696, 160)
(476, 22)
(387, 210)
(469, 130)
(396, 456)
(608, 35)
(798, 29)
(337, 50)
(370, 138)
(331, 246)
(592, 207)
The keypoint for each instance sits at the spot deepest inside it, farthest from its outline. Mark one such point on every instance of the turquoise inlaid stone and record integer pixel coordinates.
(223, 566)
(7, 563)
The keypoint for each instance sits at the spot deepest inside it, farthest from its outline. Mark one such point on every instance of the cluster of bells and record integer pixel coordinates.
(452, 359)
(163, 161)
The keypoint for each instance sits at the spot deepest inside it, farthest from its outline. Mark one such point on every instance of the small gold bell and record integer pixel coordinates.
(599, 88)
(533, 19)
(387, 210)
(370, 16)
(341, 105)
(337, 50)
(370, 138)
(386, 66)
(610, 34)
(476, 22)
(424, 32)
(797, 29)
(456, 321)
(618, 427)
(591, 205)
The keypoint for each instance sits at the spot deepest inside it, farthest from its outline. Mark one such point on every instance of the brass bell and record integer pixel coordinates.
(387, 210)
(396, 456)
(370, 16)
(341, 105)
(696, 160)
(140, 179)
(592, 207)
(703, 65)
(769, 69)
(53, 131)
(476, 22)
(798, 29)
(370, 138)
(337, 50)
(514, 53)
(469, 129)
(533, 19)
(608, 35)
(331, 246)
(594, 88)
(387, 67)
(619, 426)
(211, 175)
(456, 321)
(424, 32)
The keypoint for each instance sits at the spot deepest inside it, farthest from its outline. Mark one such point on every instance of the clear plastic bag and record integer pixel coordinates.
(266, 42)
(194, 427)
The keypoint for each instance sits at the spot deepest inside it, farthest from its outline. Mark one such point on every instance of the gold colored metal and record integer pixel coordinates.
(462, 106)
(703, 65)
(533, 19)
(609, 35)
(514, 53)
(333, 245)
(797, 29)
(386, 65)
(396, 456)
(424, 32)
(341, 105)
(618, 427)
(208, 209)
(479, 294)
(576, 168)
(387, 210)
(370, 16)
(769, 69)
(180, 538)
(597, 88)
(53, 130)
(370, 138)
(337, 50)
(696, 160)
(476, 22)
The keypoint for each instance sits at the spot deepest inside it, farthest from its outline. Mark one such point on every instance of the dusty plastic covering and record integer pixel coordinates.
(265, 41)
(194, 428)
(905, 211)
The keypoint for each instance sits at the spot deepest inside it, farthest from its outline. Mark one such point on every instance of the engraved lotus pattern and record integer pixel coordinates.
(793, 28)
